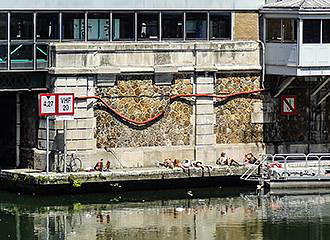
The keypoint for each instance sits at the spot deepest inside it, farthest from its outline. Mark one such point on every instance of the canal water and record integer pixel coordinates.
(212, 213)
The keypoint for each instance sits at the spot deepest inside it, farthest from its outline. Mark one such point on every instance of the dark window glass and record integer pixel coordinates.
(172, 25)
(21, 26)
(196, 25)
(98, 26)
(312, 31)
(42, 56)
(3, 26)
(21, 56)
(73, 26)
(3, 56)
(220, 25)
(289, 30)
(273, 30)
(148, 25)
(123, 26)
(47, 26)
(326, 31)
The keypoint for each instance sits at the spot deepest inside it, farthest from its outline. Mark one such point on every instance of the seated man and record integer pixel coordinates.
(223, 160)
(250, 159)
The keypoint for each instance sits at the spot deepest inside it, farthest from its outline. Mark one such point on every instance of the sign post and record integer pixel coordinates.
(59, 104)
(288, 105)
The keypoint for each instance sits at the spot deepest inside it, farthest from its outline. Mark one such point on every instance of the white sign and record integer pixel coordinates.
(289, 105)
(47, 104)
(65, 104)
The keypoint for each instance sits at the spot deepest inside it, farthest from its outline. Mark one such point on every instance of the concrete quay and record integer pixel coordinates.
(116, 180)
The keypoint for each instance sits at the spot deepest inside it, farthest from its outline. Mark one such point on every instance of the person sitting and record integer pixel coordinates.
(249, 158)
(107, 166)
(223, 160)
(99, 165)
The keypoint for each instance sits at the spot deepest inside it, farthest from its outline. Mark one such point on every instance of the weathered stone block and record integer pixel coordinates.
(205, 139)
(204, 109)
(205, 89)
(205, 80)
(205, 129)
(205, 119)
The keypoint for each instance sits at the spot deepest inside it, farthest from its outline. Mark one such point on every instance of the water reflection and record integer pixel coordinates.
(200, 214)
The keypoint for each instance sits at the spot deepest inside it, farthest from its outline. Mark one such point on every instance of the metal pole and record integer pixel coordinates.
(47, 145)
(65, 152)
(18, 128)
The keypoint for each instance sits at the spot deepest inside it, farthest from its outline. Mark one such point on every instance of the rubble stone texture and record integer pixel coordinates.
(138, 98)
(233, 116)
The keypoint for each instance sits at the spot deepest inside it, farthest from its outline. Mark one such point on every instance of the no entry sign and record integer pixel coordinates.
(56, 104)
(288, 105)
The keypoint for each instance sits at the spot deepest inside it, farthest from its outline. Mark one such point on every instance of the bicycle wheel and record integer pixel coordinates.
(75, 164)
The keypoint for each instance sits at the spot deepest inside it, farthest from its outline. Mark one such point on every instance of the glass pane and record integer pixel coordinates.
(21, 26)
(289, 30)
(98, 26)
(21, 56)
(148, 24)
(172, 25)
(47, 26)
(3, 26)
(42, 56)
(312, 31)
(196, 25)
(73, 26)
(3, 56)
(326, 31)
(220, 25)
(123, 26)
(273, 30)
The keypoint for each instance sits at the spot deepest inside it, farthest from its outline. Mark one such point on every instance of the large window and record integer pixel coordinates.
(148, 26)
(220, 25)
(312, 31)
(21, 26)
(281, 30)
(123, 26)
(196, 25)
(98, 26)
(73, 26)
(47, 26)
(172, 25)
(3, 26)
(326, 31)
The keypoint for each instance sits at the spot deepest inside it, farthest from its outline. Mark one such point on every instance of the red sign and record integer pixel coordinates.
(56, 104)
(288, 105)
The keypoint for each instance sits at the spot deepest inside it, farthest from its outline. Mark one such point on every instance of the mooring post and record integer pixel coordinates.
(47, 145)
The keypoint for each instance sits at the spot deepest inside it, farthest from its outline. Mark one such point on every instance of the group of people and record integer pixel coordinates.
(184, 164)
(249, 158)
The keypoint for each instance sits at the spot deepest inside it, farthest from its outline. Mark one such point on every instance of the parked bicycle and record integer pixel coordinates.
(73, 163)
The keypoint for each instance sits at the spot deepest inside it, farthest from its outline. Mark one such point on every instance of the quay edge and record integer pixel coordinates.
(118, 180)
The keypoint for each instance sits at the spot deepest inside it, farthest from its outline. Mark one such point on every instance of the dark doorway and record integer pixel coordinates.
(7, 130)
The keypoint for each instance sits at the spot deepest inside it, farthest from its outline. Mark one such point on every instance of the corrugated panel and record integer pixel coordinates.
(300, 4)
(131, 4)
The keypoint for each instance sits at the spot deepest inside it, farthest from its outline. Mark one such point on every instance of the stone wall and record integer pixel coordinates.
(233, 116)
(138, 98)
(246, 26)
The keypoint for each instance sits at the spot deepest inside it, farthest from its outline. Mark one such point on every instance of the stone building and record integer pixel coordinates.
(152, 79)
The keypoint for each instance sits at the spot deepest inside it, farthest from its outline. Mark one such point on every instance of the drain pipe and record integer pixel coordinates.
(263, 56)
(18, 128)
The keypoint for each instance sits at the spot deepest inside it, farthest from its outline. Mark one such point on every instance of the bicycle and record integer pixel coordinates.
(73, 163)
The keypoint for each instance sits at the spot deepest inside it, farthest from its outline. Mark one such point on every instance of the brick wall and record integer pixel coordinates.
(246, 26)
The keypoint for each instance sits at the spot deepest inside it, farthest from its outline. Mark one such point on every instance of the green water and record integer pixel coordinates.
(214, 213)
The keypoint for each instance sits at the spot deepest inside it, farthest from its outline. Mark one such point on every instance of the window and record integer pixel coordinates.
(172, 25)
(123, 26)
(98, 26)
(273, 30)
(289, 30)
(73, 26)
(21, 26)
(281, 30)
(196, 25)
(42, 56)
(47, 26)
(3, 26)
(3, 56)
(326, 31)
(220, 26)
(148, 26)
(312, 31)
(21, 56)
